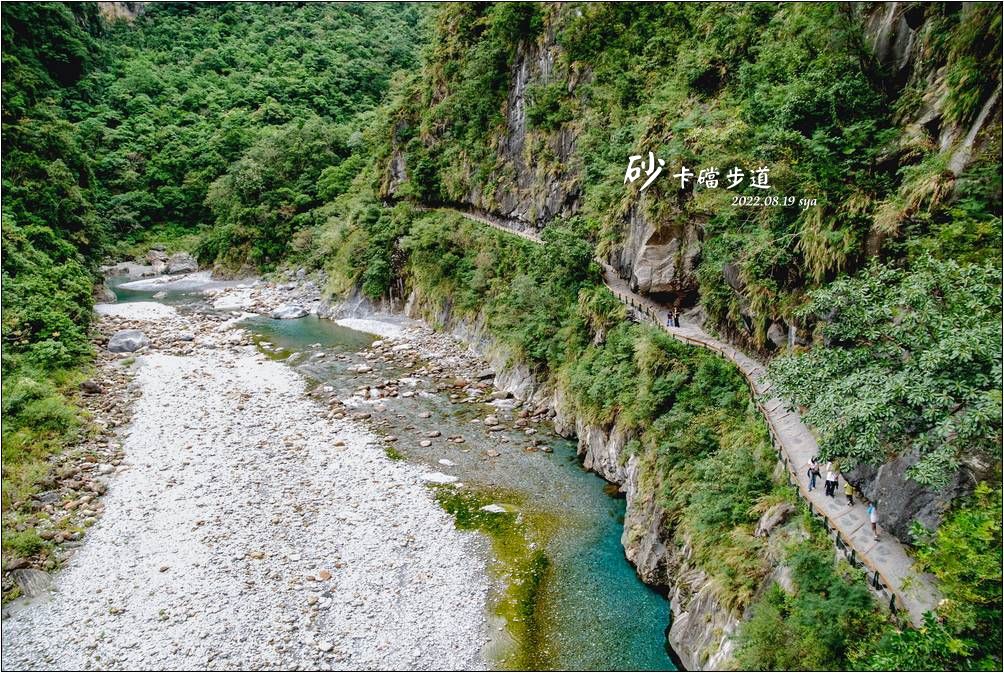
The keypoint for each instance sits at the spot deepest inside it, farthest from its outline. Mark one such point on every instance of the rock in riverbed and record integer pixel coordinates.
(182, 262)
(438, 478)
(289, 312)
(127, 341)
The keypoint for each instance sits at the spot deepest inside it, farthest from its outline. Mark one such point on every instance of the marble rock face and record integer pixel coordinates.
(659, 259)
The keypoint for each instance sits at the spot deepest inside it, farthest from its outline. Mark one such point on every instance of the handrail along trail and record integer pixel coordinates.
(890, 569)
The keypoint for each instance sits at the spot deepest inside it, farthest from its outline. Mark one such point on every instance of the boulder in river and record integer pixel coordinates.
(156, 254)
(289, 312)
(182, 262)
(127, 341)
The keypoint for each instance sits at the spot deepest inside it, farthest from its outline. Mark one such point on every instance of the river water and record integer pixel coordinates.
(565, 597)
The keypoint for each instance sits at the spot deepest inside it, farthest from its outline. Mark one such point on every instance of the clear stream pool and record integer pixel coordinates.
(566, 597)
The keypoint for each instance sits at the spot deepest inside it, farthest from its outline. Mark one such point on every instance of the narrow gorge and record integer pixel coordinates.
(523, 336)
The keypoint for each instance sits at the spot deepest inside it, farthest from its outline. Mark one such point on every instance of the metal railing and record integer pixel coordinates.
(878, 580)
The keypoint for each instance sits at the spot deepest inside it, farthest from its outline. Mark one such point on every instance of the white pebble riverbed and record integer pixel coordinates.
(246, 530)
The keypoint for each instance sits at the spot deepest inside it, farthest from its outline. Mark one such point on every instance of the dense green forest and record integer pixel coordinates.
(259, 136)
(218, 125)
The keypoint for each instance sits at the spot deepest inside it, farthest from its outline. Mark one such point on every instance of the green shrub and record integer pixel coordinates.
(23, 543)
(913, 363)
(816, 628)
(965, 633)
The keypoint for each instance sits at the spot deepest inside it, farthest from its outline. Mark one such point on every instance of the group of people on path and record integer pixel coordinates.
(830, 488)
(814, 472)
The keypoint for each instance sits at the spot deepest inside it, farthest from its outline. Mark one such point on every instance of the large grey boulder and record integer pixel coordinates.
(773, 517)
(127, 341)
(31, 582)
(182, 262)
(156, 254)
(289, 312)
(901, 500)
(157, 260)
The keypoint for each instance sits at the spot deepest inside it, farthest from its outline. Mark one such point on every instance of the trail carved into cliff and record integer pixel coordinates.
(891, 570)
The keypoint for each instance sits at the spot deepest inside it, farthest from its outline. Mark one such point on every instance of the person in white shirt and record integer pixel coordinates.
(873, 518)
(831, 482)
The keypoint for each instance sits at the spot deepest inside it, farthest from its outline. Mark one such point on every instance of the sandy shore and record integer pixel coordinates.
(247, 529)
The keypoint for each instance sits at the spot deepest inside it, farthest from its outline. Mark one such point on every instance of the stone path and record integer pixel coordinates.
(890, 569)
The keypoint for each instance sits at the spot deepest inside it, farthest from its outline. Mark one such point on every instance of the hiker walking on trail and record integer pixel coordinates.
(831, 481)
(849, 492)
(813, 473)
(676, 317)
(669, 319)
(873, 518)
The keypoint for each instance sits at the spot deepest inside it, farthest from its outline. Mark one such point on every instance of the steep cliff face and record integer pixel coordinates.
(535, 173)
(540, 184)
(541, 160)
(659, 258)
(121, 11)
(900, 35)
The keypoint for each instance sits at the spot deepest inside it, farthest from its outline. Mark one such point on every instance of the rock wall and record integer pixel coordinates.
(659, 259)
(121, 11)
(537, 177)
(903, 501)
(701, 628)
(896, 33)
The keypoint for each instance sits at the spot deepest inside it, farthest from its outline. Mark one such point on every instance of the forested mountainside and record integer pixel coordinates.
(261, 136)
(194, 123)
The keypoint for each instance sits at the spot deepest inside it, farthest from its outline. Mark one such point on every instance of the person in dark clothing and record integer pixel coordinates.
(669, 319)
(831, 482)
(676, 317)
